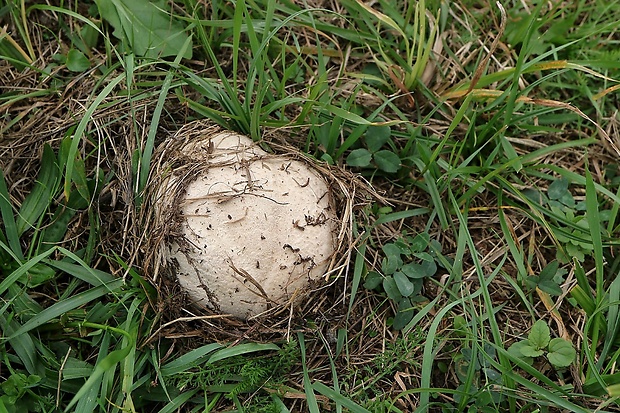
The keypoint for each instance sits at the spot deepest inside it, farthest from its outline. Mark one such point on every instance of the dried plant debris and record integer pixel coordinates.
(246, 232)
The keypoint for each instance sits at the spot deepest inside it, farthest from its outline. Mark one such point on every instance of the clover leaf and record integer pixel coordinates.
(561, 352)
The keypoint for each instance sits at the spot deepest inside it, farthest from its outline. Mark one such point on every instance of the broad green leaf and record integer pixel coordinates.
(39, 274)
(548, 273)
(424, 256)
(428, 268)
(144, 27)
(359, 158)
(557, 189)
(405, 286)
(77, 61)
(575, 252)
(404, 314)
(42, 194)
(534, 195)
(550, 287)
(373, 280)
(561, 352)
(540, 335)
(76, 369)
(528, 350)
(515, 350)
(613, 391)
(392, 260)
(376, 137)
(391, 289)
(391, 250)
(387, 161)
(55, 232)
(420, 242)
(80, 178)
(415, 270)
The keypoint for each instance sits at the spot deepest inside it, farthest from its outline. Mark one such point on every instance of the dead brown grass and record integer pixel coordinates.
(43, 109)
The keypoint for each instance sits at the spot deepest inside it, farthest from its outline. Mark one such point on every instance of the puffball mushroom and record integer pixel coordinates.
(255, 228)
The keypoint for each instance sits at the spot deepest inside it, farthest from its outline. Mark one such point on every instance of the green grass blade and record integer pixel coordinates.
(178, 402)
(62, 307)
(149, 147)
(313, 406)
(83, 272)
(22, 344)
(279, 404)
(338, 398)
(41, 196)
(108, 363)
(81, 128)
(594, 223)
(613, 323)
(22, 270)
(189, 360)
(10, 227)
(552, 396)
(358, 271)
(240, 350)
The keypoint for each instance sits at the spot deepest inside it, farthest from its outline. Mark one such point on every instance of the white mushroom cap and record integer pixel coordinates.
(256, 228)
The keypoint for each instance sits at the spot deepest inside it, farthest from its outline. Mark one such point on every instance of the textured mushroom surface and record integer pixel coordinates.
(256, 228)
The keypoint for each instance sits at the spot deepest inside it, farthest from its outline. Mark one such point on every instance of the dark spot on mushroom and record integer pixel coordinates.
(285, 246)
(229, 216)
(257, 265)
(262, 237)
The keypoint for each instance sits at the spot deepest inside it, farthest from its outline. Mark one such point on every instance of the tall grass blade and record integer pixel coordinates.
(23, 345)
(10, 227)
(41, 196)
(189, 360)
(62, 307)
(178, 402)
(72, 154)
(338, 398)
(149, 146)
(22, 270)
(313, 406)
(106, 364)
(594, 223)
(241, 349)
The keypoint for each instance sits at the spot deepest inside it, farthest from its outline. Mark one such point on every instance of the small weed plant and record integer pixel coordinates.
(558, 351)
(407, 263)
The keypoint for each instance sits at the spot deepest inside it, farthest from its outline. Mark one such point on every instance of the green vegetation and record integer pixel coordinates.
(484, 277)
